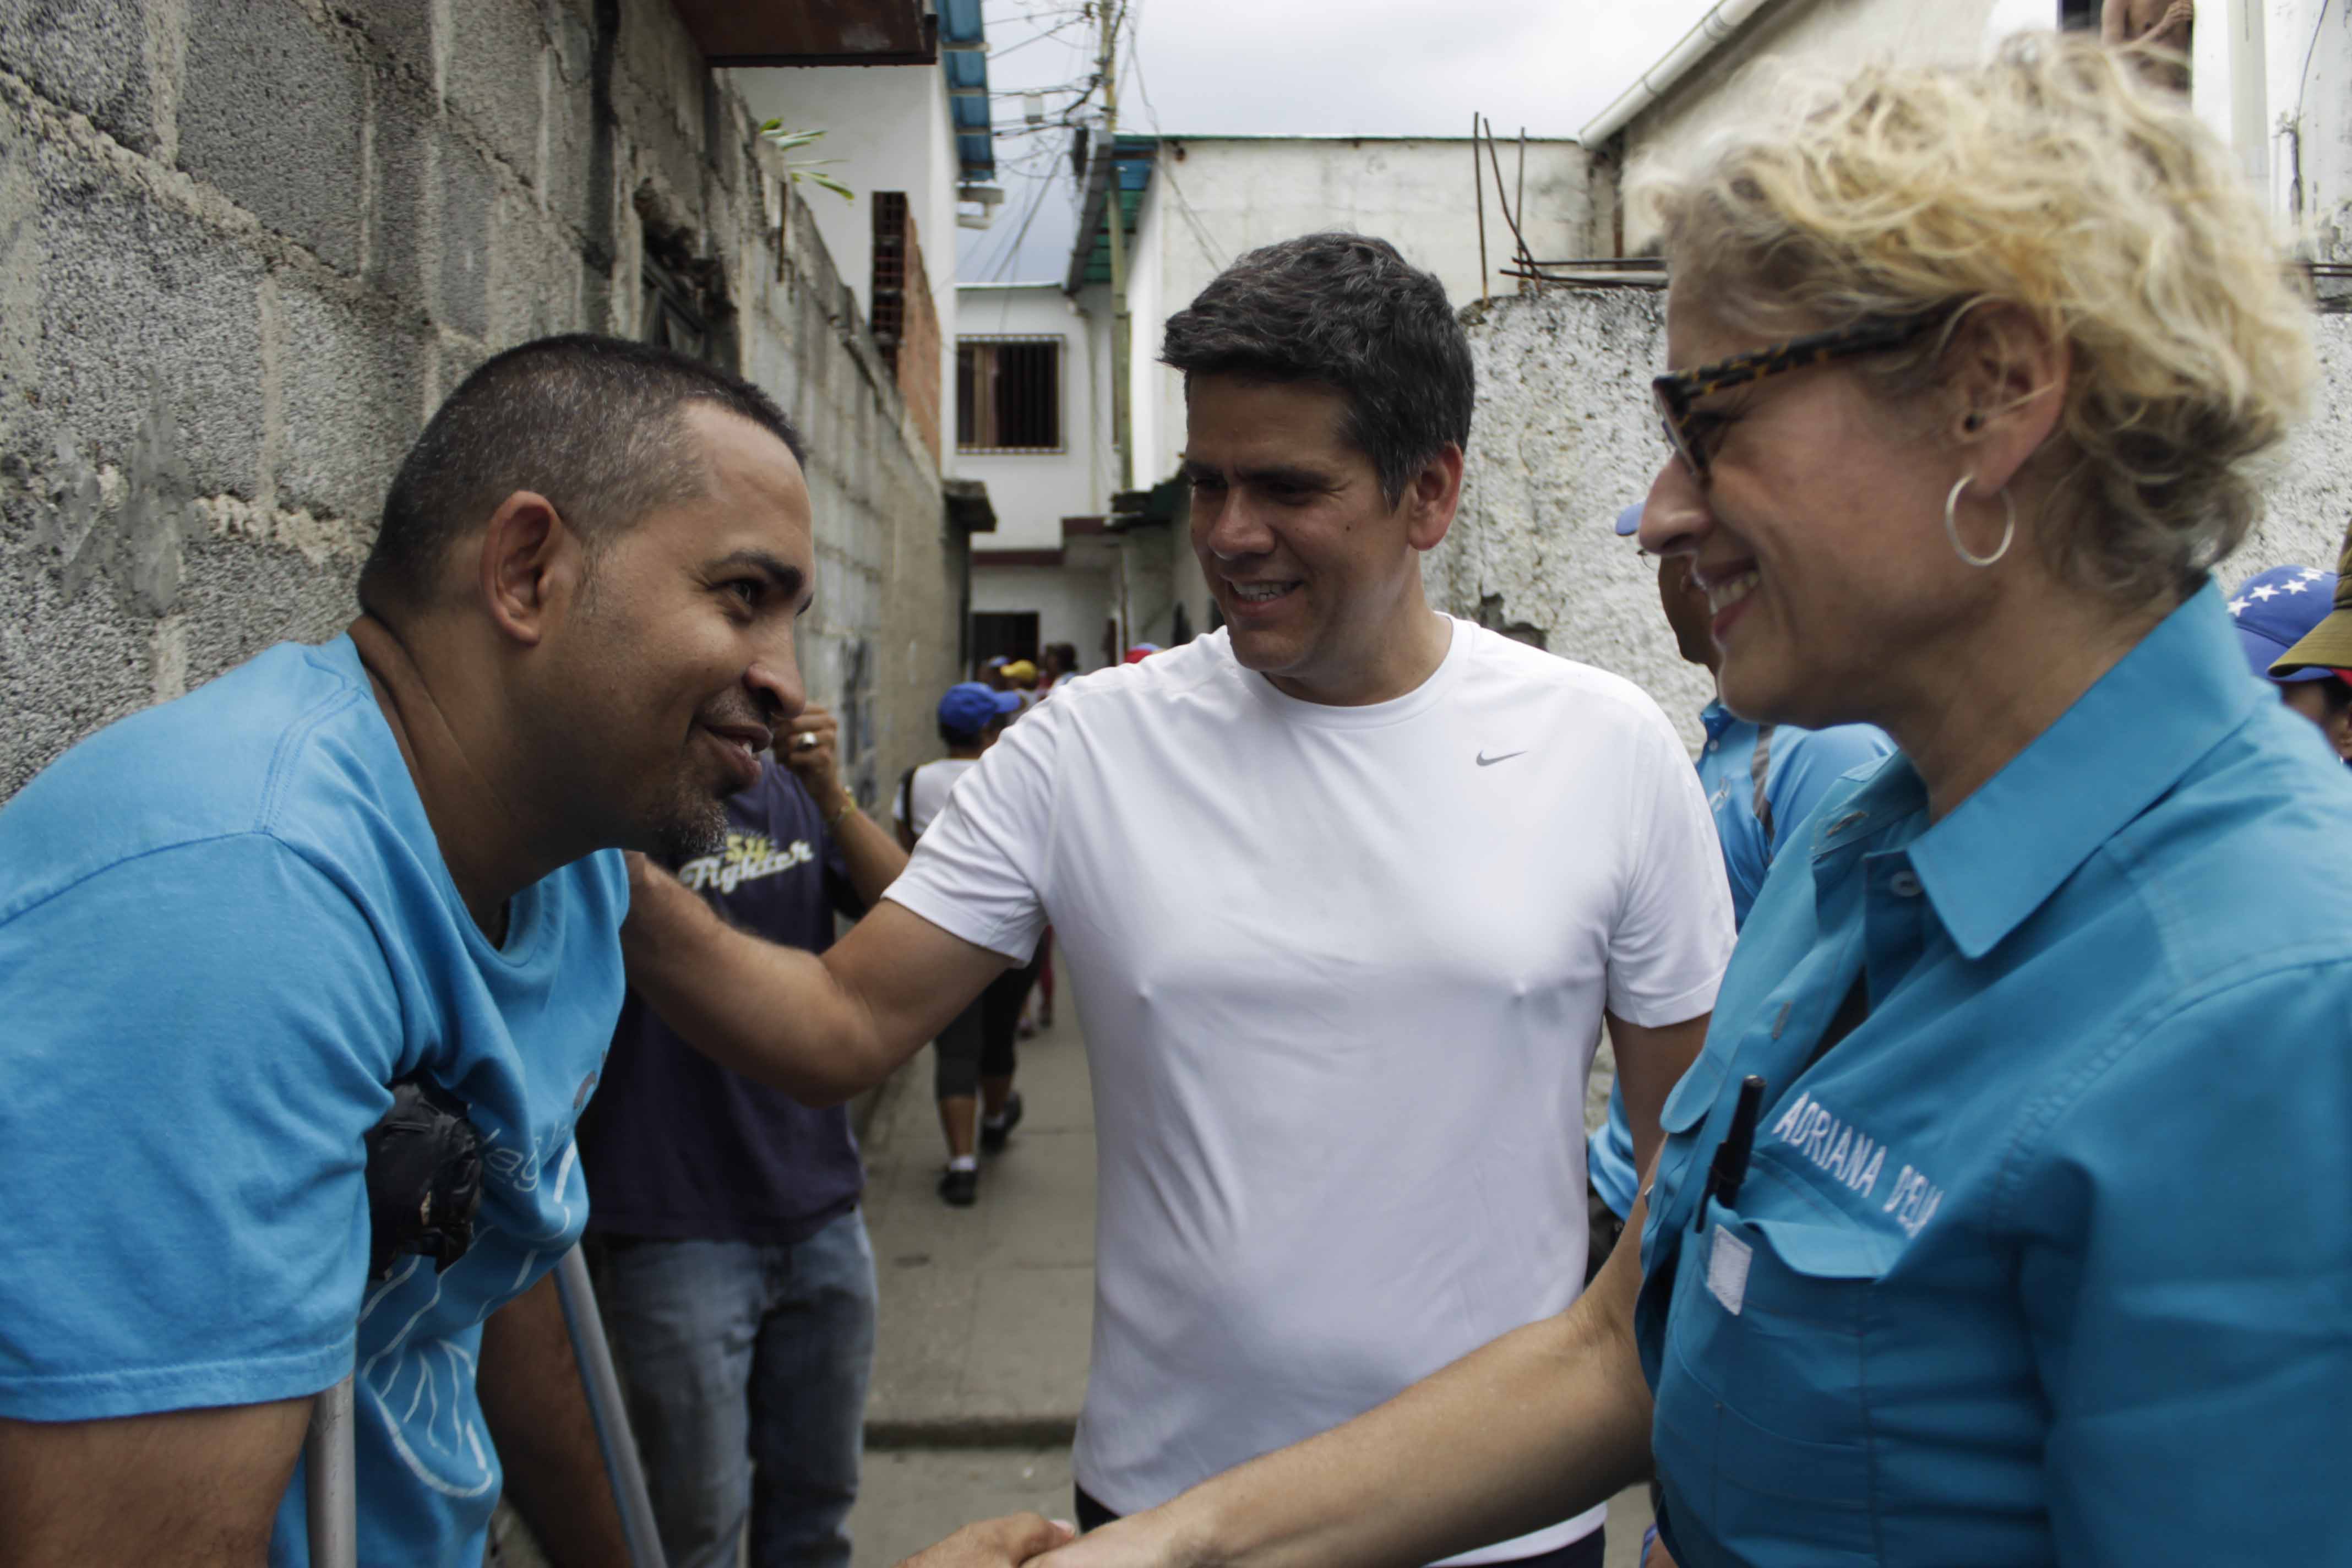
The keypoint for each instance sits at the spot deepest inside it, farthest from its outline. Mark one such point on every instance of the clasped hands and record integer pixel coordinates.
(1049, 1543)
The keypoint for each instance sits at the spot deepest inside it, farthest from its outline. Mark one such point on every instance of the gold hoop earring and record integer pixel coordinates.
(1952, 527)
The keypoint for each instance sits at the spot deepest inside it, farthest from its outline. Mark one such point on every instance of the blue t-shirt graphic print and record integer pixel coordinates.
(224, 927)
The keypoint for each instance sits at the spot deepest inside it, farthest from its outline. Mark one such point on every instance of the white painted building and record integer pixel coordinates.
(887, 128)
(1211, 198)
(2274, 77)
(1562, 379)
(1041, 359)
(917, 130)
(1192, 205)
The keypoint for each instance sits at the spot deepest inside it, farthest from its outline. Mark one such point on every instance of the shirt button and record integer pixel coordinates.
(1903, 884)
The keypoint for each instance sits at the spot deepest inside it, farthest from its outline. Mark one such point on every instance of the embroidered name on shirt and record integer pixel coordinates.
(1831, 1145)
(1854, 1159)
(747, 857)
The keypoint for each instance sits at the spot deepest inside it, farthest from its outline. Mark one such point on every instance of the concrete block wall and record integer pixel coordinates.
(247, 246)
(1565, 436)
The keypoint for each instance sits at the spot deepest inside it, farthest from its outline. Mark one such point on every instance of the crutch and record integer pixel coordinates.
(329, 1488)
(607, 1410)
(331, 1494)
(423, 1171)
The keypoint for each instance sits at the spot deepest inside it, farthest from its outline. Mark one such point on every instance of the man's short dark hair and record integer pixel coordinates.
(593, 424)
(1345, 311)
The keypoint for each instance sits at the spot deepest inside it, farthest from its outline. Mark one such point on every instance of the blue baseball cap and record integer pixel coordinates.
(1630, 520)
(2274, 610)
(969, 707)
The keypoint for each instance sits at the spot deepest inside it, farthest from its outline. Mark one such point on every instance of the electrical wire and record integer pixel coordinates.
(1009, 251)
(1034, 166)
(2303, 83)
(1167, 166)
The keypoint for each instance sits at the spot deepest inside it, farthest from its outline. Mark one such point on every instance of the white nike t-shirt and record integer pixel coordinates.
(1341, 972)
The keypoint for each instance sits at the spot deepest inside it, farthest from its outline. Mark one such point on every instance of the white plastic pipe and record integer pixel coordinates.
(1705, 35)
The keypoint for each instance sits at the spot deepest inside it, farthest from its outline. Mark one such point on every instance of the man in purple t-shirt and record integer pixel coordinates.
(739, 1284)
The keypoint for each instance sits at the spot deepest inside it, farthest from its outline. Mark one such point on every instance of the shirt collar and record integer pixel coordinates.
(1717, 718)
(2004, 850)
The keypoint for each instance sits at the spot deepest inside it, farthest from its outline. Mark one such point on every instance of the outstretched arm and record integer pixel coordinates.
(821, 1029)
(1542, 1424)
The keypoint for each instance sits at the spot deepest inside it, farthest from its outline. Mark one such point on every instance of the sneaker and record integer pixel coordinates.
(993, 1131)
(959, 1189)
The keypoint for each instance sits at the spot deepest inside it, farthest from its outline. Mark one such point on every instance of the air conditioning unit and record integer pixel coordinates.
(985, 198)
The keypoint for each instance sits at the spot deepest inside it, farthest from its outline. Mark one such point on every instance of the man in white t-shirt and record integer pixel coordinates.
(1348, 888)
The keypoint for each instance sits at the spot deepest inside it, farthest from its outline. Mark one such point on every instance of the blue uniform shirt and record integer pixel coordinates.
(2049, 1259)
(1761, 781)
(225, 926)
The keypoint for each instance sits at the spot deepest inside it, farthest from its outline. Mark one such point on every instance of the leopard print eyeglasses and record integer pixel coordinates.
(1677, 391)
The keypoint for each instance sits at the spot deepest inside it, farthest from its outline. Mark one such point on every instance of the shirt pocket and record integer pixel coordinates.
(1685, 1111)
(1762, 1424)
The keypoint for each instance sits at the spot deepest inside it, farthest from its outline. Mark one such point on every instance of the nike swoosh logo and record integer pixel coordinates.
(1486, 762)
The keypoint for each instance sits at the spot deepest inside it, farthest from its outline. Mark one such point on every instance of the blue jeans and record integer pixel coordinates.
(747, 1368)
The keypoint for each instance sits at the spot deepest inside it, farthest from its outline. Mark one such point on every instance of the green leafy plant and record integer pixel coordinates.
(809, 169)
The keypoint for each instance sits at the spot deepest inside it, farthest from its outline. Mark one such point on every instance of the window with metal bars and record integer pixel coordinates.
(684, 304)
(888, 309)
(1009, 394)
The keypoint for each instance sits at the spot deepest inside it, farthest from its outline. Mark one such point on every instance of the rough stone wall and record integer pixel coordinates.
(1563, 439)
(1565, 436)
(245, 248)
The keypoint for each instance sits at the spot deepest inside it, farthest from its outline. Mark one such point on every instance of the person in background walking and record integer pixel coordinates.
(2277, 609)
(1021, 677)
(973, 1056)
(1761, 781)
(737, 1275)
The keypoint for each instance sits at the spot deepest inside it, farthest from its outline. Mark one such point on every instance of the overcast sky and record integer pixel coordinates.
(1296, 67)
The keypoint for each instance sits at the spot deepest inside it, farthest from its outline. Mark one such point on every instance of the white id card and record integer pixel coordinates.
(1727, 1269)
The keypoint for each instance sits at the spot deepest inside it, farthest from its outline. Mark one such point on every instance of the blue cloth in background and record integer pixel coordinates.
(2046, 1260)
(224, 927)
(1761, 783)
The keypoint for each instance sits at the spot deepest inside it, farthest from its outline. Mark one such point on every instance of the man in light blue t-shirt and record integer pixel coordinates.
(226, 924)
(1762, 781)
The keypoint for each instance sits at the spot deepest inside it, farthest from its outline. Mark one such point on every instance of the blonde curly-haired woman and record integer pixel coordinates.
(2004, 1219)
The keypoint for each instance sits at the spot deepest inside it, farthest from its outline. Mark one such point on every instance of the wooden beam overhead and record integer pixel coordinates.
(811, 32)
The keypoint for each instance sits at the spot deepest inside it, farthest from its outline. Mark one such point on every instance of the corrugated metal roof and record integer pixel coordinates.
(960, 22)
(1091, 255)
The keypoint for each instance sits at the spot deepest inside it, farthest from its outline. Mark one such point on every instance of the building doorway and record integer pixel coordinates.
(1012, 634)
